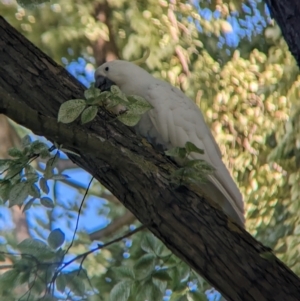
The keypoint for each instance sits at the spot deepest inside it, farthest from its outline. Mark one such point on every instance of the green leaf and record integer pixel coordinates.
(99, 100)
(5, 188)
(69, 152)
(19, 193)
(138, 105)
(34, 191)
(145, 266)
(9, 279)
(44, 185)
(61, 283)
(160, 284)
(121, 291)
(28, 204)
(149, 243)
(75, 282)
(89, 114)
(129, 119)
(149, 291)
(192, 148)
(15, 169)
(15, 152)
(161, 275)
(197, 296)
(200, 165)
(115, 90)
(113, 101)
(184, 272)
(70, 110)
(36, 247)
(124, 273)
(56, 238)
(182, 298)
(47, 202)
(4, 164)
(48, 173)
(38, 146)
(31, 174)
(26, 140)
(176, 152)
(44, 154)
(60, 177)
(92, 93)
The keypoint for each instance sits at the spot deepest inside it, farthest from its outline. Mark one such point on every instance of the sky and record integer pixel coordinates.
(62, 216)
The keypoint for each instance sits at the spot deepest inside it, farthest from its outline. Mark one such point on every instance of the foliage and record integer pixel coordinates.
(237, 67)
(134, 106)
(192, 171)
(21, 180)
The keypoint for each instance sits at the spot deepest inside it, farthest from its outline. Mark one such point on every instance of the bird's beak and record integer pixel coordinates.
(103, 83)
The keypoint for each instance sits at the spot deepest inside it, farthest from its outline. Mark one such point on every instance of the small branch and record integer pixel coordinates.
(78, 215)
(106, 245)
(113, 227)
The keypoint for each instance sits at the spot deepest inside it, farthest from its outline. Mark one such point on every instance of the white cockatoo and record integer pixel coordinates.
(174, 120)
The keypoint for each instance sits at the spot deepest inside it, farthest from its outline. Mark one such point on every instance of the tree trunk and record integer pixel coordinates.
(286, 13)
(32, 87)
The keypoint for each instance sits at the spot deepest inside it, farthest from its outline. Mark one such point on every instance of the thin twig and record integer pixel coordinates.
(84, 255)
(78, 215)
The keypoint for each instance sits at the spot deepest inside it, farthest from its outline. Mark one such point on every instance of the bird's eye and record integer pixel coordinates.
(106, 68)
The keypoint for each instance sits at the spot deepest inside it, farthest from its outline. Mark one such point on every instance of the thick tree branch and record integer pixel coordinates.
(32, 88)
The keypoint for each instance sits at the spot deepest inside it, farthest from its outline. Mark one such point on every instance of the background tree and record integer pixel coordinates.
(246, 95)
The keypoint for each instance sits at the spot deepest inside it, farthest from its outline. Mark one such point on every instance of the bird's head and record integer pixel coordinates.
(126, 75)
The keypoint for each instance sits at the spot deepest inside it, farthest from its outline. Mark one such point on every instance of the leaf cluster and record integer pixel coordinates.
(134, 106)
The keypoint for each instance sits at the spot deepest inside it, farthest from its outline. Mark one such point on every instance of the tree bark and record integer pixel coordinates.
(286, 13)
(32, 87)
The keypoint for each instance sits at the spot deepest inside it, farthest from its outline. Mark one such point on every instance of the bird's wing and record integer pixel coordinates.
(177, 120)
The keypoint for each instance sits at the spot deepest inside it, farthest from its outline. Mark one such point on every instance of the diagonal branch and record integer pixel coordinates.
(32, 88)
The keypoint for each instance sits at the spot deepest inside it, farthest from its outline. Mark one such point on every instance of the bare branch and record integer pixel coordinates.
(125, 220)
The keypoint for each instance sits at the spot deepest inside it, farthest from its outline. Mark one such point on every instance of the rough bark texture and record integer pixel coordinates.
(32, 87)
(286, 13)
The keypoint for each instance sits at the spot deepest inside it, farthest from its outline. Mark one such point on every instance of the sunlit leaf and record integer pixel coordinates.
(124, 273)
(139, 106)
(129, 119)
(70, 110)
(149, 243)
(89, 114)
(120, 292)
(92, 93)
(145, 265)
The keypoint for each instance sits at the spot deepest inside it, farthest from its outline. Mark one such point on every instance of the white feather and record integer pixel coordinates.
(174, 120)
